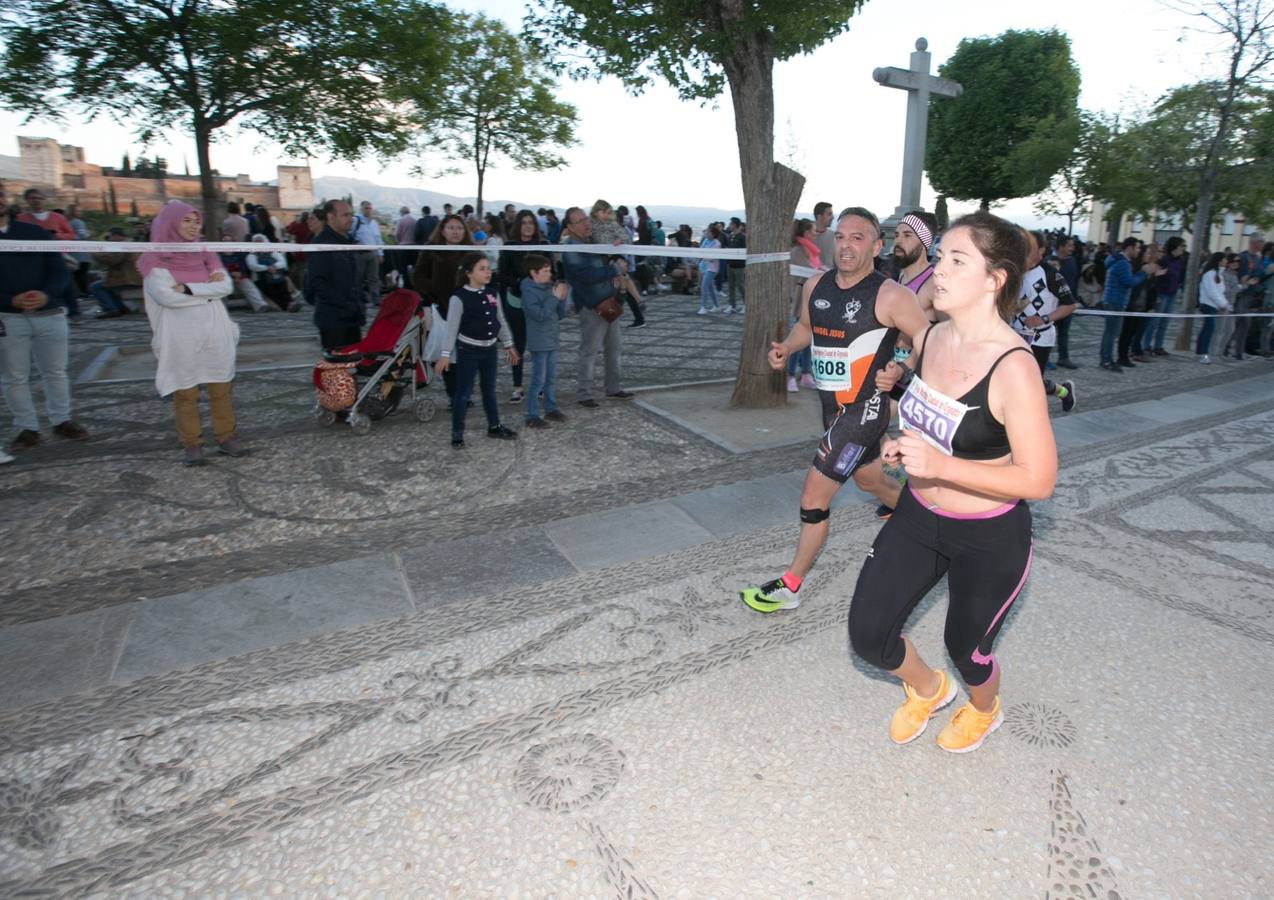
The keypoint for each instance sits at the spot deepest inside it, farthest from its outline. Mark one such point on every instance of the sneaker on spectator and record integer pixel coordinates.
(72, 431)
(792, 386)
(25, 440)
(807, 381)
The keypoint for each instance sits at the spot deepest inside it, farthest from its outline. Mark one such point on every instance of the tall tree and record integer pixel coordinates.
(1246, 27)
(1016, 123)
(1081, 177)
(701, 49)
(308, 74)
(1158, 163)
(505, 108)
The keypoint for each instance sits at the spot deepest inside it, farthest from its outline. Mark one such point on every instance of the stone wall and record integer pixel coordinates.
(60, 170)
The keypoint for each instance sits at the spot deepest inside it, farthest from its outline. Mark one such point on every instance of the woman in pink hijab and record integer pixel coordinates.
(194, 339)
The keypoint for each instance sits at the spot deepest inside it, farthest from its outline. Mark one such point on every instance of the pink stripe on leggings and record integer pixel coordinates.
(977, 656)
(989, 514)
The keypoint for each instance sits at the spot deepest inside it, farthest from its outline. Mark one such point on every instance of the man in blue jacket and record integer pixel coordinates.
(1120, 280)
(33, 330)
(331, 281)
(591, 279)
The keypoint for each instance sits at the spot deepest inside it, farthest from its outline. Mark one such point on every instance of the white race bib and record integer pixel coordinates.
(832, 368)
(931, 415)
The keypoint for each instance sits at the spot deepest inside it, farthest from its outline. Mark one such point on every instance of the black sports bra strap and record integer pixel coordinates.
(920, 353)
(991, 371)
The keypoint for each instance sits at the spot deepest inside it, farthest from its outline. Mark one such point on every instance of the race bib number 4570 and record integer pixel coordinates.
(932, 415)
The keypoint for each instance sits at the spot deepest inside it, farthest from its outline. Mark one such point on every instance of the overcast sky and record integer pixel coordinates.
(833, 123)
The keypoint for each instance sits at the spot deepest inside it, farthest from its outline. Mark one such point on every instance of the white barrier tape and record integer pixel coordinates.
(756, 259)
(1159, 315)
(250, 247)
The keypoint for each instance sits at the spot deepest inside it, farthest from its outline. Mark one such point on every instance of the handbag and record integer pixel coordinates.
(609, 309)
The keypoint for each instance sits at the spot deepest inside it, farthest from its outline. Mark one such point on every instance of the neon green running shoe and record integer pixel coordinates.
(770, 597)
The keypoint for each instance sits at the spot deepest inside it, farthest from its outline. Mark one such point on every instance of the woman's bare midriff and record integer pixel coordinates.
(954, 500)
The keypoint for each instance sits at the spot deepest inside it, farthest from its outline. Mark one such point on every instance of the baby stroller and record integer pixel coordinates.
(365, 382)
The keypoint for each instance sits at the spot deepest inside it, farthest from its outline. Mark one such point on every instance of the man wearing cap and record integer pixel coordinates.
(912, 241)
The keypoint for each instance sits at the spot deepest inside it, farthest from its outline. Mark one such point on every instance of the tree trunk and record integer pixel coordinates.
(1113, 219)
(478, 202)
(1200, 231)
(212, 210)
(1203, 214)
(771, 192)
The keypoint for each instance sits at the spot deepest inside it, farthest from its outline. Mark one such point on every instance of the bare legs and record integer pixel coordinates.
(924, 680)
(816, 493)
(872, 479)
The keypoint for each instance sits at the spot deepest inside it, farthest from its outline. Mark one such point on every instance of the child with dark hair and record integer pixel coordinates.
(475, 323)
(544, 305)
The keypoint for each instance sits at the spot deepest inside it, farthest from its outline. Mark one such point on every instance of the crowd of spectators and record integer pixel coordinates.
(1132, 276)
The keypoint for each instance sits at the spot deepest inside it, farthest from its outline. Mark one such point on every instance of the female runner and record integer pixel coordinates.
(976, 443)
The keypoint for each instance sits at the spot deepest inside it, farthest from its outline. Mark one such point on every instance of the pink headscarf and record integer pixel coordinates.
(187, 268)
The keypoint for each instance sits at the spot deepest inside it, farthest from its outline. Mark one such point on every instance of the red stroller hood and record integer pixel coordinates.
(396, 310)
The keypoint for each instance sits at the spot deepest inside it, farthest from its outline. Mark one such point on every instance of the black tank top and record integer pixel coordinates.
(964, 427)
(849, 343)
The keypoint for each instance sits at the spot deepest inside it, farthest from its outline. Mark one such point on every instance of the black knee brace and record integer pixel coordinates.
(814, 516)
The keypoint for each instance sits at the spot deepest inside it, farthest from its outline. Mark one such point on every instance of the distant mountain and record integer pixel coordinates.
(387, 201)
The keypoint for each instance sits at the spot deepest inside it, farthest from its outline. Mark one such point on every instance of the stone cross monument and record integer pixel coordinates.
(920, 86)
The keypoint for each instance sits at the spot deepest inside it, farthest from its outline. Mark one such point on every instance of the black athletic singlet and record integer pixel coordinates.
(849, 347)
(849, 344)
(963, 427)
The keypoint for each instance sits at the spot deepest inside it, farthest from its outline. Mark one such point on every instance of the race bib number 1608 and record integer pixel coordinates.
(831, 368)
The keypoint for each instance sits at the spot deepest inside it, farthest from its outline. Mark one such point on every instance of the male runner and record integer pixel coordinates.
(851, 316)
(1046, 300)
(912, 242)
(913, 238)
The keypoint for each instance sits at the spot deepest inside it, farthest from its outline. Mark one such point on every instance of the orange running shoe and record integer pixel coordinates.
(910, 719)
(969, 727)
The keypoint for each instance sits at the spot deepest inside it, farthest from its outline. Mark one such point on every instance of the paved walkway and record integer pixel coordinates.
(371, 666)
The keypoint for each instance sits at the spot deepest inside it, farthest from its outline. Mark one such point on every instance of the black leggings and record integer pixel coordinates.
(985, 558)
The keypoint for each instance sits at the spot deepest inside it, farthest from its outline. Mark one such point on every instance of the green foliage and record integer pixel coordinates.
(681, 42)
(503, 105)
(1159, 163)
(941, 214)
(1015, 124)
(305, 73)
(147, 168)
(1090, 170)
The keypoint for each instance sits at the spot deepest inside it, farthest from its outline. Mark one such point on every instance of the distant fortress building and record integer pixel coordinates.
(60, 171)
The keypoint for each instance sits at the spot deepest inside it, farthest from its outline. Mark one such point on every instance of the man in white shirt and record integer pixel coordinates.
(1046, 299)
(367, 232)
